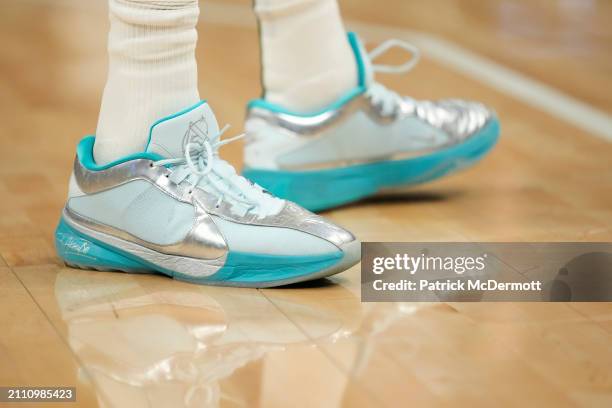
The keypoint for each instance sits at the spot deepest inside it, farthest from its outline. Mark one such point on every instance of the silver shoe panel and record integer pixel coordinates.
(315, 125)
(462, 120)
(91, 182)
(292, 216)
(458, 118)
(204, 240)
(187, 266)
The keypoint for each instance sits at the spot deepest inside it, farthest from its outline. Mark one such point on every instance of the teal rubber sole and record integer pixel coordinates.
(318, 190)
(240, 269)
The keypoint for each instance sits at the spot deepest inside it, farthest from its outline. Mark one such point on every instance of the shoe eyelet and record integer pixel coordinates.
(151, 164)
(167, 175)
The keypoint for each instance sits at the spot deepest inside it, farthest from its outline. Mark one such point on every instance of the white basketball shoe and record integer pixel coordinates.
(178, 209)
(370, 140)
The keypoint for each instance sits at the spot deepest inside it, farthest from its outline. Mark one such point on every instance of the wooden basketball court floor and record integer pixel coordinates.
(132, 341)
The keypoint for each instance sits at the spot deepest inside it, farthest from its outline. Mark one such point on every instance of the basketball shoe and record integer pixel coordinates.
(370, 140)
(178, 209)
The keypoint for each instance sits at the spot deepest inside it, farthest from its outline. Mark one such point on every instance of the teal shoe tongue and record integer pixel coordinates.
(168, 136)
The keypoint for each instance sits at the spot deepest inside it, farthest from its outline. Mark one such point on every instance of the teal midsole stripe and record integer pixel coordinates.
(78, 248)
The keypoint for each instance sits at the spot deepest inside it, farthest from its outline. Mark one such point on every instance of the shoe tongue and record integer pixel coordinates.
(168, 136)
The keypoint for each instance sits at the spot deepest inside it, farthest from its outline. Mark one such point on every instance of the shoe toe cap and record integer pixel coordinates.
(469, 118)
(294, 216)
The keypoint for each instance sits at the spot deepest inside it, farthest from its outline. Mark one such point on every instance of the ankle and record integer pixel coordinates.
(307, 62)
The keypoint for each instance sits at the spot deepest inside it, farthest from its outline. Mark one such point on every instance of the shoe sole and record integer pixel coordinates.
(80, 250)
(318, 190)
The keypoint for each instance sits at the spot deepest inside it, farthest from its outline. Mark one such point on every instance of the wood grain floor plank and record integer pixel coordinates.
(31, 351)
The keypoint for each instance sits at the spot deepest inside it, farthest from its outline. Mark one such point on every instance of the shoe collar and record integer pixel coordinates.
(365, 76)
(162, 142)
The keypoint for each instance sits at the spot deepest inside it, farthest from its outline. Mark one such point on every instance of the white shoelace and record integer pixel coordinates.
(389, 100)
(202, 163)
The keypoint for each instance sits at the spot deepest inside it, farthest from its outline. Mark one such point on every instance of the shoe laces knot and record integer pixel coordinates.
(202, 167)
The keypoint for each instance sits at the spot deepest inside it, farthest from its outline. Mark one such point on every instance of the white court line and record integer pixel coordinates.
(521, 87)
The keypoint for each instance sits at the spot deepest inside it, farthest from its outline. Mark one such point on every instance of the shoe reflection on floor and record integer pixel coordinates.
(148, 341)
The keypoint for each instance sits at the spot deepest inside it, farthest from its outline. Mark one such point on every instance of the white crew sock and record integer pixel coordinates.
(307, 62)
(152, 71)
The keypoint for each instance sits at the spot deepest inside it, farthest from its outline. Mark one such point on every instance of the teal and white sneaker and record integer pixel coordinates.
(370, 140)
(179, 210)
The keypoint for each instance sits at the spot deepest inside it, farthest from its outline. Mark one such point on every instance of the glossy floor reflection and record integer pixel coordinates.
(150, 341)
(147, 342)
